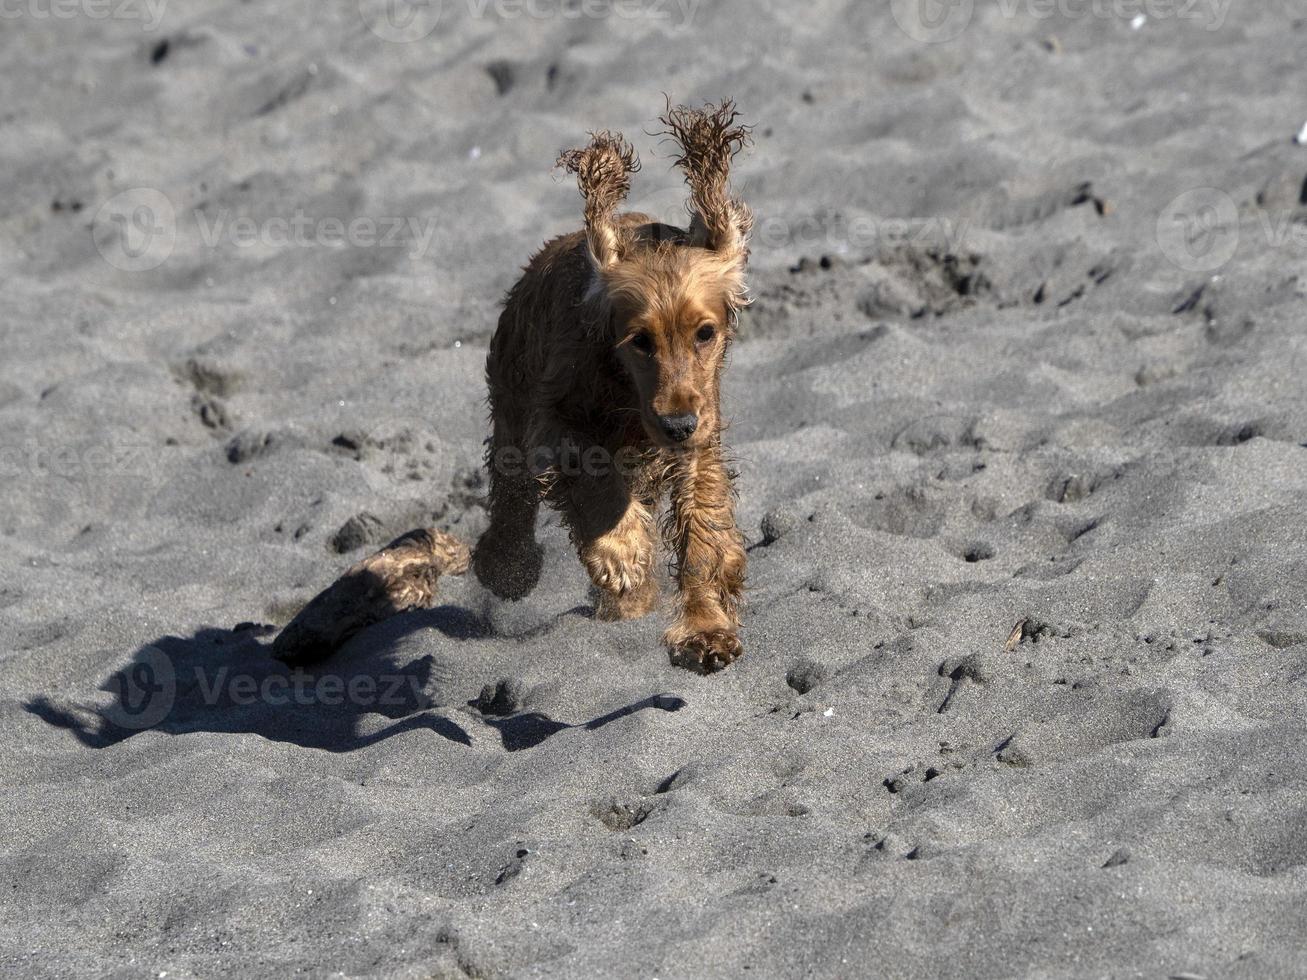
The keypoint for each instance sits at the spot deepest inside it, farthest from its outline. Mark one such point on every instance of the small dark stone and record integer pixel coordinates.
(211, 411)
(971, 667)
(775, 525)
(349, 441)
(1120, 856)
(894, 784)
(513, 868)
(503, 74)
(248, 445)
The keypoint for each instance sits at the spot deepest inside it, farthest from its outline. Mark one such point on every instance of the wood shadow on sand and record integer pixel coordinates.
(225, 681)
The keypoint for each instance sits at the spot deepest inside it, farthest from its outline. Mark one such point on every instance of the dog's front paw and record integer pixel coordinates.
(707, 652)
(618, 567)
(510, 572)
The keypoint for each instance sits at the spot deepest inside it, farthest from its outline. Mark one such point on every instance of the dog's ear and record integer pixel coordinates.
(603, 172)
(708, 140)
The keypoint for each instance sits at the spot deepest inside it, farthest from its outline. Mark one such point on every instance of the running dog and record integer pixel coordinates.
(604, 377)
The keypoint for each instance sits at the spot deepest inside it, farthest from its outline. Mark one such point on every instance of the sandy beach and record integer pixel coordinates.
(1019, 411)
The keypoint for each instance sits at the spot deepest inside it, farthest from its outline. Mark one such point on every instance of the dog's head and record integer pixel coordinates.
(671, 295)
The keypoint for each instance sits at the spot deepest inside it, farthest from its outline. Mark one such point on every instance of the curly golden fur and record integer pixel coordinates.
(604, 377)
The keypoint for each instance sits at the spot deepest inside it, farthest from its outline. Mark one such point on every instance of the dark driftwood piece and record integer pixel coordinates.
(399, 577)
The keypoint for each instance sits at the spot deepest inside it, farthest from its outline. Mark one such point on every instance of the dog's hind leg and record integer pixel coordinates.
(710, 563)
(507, 559)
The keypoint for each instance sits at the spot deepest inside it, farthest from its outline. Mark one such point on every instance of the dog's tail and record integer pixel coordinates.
(603, 172)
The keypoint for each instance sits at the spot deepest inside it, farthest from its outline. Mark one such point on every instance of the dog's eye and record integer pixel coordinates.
(705, 333)
(643, 343)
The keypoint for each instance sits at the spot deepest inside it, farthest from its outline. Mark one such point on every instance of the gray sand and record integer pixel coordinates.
(1027, 383)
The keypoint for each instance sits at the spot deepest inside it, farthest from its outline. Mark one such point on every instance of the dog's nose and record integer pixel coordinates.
(678, 428)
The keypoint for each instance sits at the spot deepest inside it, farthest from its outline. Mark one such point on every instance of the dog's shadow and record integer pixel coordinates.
(224, 681)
